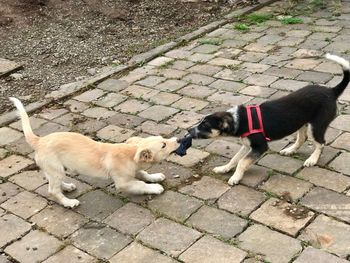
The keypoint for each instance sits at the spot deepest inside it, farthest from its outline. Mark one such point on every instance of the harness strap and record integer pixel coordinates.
(251, 130)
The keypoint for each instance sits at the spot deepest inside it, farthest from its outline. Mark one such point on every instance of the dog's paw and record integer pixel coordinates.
(287, 151)
(221, 169)
(71, 203)
(155, 189)
(233, 181)
(310, 162)
(157, 177)
(68, 187)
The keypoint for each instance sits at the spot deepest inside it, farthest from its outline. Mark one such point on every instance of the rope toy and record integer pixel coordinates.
(185, 143)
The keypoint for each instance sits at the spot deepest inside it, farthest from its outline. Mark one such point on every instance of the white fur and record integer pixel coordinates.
(31, 138)
(234, 113)
(343, 62)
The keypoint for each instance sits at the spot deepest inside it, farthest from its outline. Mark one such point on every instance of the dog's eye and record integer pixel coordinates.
(164, 145)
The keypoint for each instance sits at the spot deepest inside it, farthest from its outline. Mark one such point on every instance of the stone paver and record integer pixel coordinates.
(193, 157)
(7, 190)
(241, 200)
(138, 253)
(132, 106)
(158, 113)
(329, 235)
(281, 163)
(325, 178)
(206, 219)
(282, 185)
(105, 242)
(312, 255)
(13, 164)
(52, 219)
(168, 236)
(114, 133)
(29, 180)
(217, 222)
(211, 250)
(70, 253)
(34, 247)
(328, 202)
(11, 228)
(273, 213)
(206, 188)
(130, 219)
(98, 205)
(274, 246)
(175, 205)
(341, 163)
(25, 204)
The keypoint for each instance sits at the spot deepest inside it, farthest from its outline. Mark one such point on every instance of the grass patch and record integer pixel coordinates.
(291, 20)
(258, 18)
(241, 27)
(270, 173)
(211, 41)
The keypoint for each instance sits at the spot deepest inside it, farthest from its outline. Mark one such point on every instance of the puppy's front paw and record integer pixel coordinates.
(158, 177)
(234, 179)
(156, 189)
(221, 169)
(68, 187)
(71, 203)
(310, 162)
(287, 151)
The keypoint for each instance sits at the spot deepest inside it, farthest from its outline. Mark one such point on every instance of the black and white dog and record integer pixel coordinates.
(314, 106)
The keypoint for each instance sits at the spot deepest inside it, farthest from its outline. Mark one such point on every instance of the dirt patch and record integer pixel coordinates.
(60, 41)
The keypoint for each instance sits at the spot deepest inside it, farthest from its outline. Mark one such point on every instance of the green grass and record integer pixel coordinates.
(270, 173)
(258, 18)
(291, 20)
(211, 41)
(241, 27)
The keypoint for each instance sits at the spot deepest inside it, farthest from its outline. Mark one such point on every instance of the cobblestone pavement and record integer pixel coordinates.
(280, 212)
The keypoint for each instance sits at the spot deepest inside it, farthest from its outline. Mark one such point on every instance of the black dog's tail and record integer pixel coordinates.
(338, 90)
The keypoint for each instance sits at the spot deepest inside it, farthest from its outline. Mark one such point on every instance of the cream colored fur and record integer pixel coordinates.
(123, 162)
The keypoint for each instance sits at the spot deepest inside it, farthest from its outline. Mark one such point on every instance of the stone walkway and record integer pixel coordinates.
(280, 212)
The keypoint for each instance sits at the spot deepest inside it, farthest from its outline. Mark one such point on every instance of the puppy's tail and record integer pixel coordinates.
(338, 90)
(31, 138)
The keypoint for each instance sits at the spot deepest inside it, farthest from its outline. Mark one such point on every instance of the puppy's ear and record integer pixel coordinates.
(144, 155)
(133, 140)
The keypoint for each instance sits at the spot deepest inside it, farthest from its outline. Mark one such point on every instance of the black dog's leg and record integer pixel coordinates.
(258, 146)
(233, 162)
(318, 129)
(301, 138)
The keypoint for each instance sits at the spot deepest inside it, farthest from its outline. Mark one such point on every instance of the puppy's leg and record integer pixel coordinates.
(55, 178)
(153, 178)
(68, 187)
(233, 162)
(136, 187)
(243, 166)
(301, 138)
(318, 140)
(258, 147)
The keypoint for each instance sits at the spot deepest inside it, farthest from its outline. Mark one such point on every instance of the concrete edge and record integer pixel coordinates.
(69, 89)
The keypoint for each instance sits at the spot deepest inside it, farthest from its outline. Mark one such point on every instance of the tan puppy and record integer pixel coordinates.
(122, 162)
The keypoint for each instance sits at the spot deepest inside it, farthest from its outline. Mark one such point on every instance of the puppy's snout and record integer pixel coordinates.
(178, 140)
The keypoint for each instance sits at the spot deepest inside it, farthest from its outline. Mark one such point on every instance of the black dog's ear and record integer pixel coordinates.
(227, 124)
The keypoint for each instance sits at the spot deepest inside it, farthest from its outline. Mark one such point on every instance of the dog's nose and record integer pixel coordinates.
(178, 140)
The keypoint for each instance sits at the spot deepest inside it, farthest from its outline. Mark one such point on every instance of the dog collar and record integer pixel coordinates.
(251, 130)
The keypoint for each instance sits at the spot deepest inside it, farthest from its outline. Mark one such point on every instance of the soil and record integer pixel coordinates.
(61, 41)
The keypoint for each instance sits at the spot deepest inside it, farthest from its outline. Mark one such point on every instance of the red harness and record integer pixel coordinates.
(250, 122)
